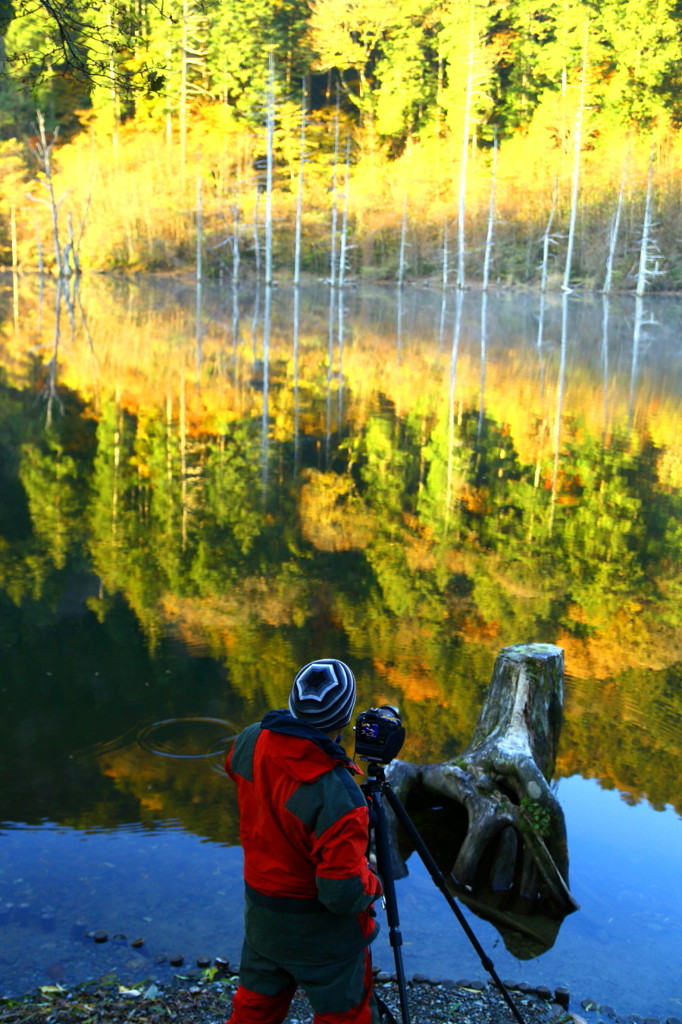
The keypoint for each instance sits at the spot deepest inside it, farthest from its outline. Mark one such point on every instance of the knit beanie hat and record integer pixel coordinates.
(323, 694)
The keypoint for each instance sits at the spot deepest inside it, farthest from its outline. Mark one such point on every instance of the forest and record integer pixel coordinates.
(471, 142)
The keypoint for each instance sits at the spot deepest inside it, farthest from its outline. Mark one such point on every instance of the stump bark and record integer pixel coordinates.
(513, 847)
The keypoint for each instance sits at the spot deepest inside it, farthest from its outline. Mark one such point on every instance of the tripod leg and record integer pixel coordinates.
(392, 916)
(439, 879)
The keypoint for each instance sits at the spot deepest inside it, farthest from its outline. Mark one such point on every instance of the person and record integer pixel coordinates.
(309, 887)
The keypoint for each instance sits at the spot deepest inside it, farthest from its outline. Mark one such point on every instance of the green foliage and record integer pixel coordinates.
(242, 34)
(233, 489)
(403, 67)
(50, 480)
(535, 816)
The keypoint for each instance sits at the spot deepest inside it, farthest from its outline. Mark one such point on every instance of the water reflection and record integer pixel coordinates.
(197, 492)
(448, 500)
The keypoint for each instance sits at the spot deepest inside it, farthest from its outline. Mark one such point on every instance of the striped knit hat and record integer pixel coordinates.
(323, 694)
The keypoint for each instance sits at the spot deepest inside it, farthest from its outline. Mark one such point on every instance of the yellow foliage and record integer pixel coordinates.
(332, 516)
(132, 200)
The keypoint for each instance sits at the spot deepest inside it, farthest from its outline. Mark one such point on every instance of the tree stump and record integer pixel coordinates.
(512, 848)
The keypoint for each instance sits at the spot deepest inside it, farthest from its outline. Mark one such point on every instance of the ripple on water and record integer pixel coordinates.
(190, 737)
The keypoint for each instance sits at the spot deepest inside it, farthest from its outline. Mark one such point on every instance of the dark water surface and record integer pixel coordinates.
(199, 493)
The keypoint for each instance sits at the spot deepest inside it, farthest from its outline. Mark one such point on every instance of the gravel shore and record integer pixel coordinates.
(210, 1002)
(206, 1000)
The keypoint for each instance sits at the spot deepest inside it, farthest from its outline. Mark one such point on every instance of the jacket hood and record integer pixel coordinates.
(308, 752)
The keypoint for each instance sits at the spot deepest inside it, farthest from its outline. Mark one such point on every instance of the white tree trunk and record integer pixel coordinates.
(575, 185)
(643, 271)
(299, 194)
(466, 128)
(269, 169)
(491, 220)
(613, 235)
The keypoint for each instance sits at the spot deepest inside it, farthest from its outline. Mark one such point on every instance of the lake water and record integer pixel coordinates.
(201, 491)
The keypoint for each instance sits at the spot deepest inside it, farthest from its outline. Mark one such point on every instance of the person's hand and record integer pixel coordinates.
(379, 890)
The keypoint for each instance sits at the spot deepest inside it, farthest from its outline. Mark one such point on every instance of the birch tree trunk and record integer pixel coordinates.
(491, 219)
(200, 231)
(613, 235)
(44, 150)
(13, 236)
(466, 128)
(644, 271)
(546, 242)
(269, 169)
(575, 184)
(299, 194)
(184, 61)
(256, 234)
(235, 246)
(403, 246)
(332, 254)
(343, 250)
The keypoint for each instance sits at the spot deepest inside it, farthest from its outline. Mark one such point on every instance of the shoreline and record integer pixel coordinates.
(205, 997)
(186, 275)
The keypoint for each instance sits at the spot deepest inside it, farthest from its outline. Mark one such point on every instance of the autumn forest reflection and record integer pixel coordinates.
(200, 488)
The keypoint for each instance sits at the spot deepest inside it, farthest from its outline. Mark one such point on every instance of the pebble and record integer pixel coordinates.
(562, 996)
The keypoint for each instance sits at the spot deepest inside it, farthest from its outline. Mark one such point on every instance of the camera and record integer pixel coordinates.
(379, 734)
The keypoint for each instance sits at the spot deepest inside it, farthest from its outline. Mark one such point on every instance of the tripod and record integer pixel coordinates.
(375, 789)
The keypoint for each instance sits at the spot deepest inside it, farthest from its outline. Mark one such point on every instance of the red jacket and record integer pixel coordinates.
(304, 830)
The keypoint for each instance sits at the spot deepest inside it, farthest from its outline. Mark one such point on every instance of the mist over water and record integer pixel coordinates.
(199, 493)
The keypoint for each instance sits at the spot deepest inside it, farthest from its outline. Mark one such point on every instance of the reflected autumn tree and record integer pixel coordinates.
(50, 479)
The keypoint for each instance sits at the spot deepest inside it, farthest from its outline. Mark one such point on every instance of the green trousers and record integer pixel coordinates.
(340, 991)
